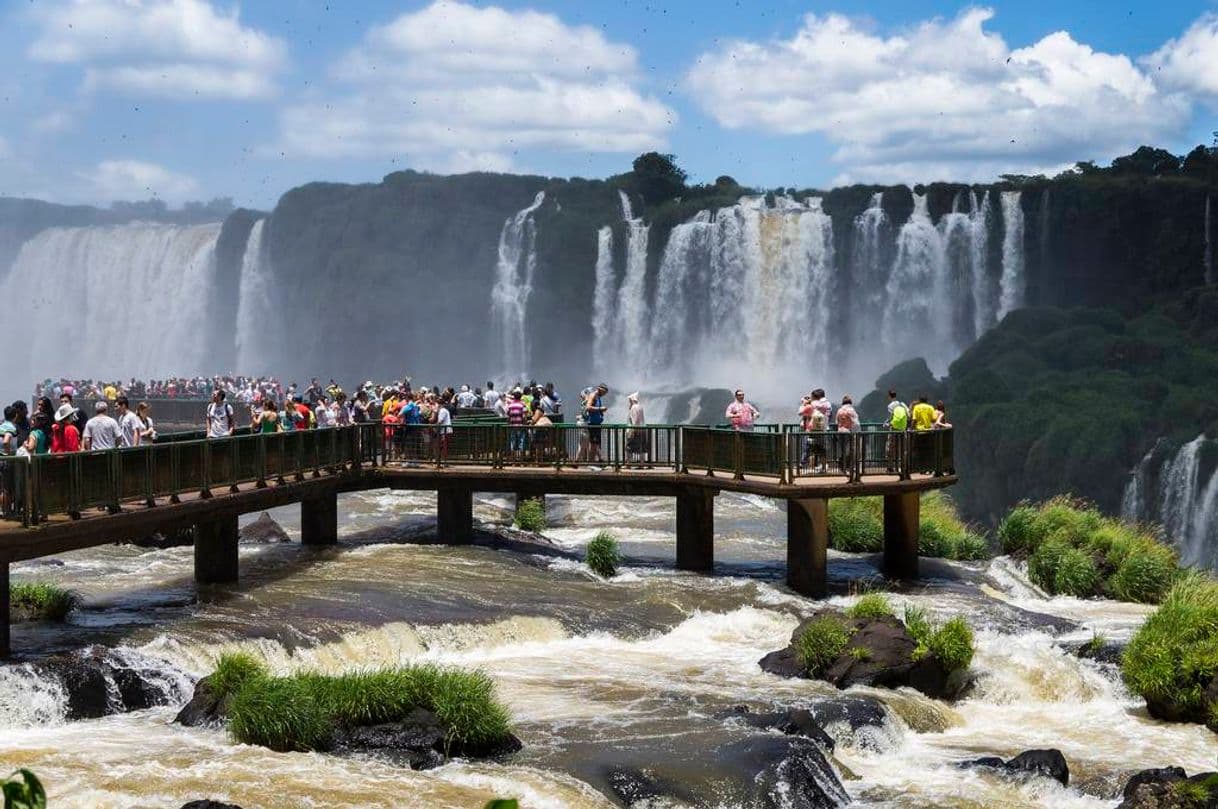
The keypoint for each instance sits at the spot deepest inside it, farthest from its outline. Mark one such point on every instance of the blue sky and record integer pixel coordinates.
(191, 99)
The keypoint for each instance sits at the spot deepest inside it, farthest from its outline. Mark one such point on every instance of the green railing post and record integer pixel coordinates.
(261, 449)
(234, 464)
(116, 481)
(205, 491)
(175, 473)
(149, 477)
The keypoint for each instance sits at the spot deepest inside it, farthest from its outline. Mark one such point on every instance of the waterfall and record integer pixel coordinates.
(257, 314)
(983, 296)
(671, 338)
(513, 286)
(918, 313)
(1134, 507)
(109, 301)
(603, 296)
(1012, 283)
(1184, 500)
(1208, 258)
(632, 309)
(869, 268)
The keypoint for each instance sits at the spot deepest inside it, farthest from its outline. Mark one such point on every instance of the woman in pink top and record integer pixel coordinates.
(742, 414)
(847, 416)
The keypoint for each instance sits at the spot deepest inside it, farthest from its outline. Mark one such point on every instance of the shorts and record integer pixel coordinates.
(594, 435)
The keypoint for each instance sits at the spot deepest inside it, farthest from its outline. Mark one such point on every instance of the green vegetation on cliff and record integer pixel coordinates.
(302, 711)
(856, 525)
(1172, 661)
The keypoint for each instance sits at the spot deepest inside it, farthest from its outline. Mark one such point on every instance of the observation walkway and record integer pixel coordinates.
(58, 503)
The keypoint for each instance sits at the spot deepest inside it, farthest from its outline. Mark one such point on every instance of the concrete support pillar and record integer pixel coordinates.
(901, 535)
(455, 515)
(319, 520)
(5, 648)
(807, 544)
(216, 551)
(696, 530)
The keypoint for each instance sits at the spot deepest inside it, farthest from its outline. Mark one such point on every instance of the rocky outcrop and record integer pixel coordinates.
(207, 804)
(98, 683)
(633, 786)
(1170, 788)
(880, 652)
(1048, 763)
(206, 707)
(792, 773)
(264, 530)
(166, 539)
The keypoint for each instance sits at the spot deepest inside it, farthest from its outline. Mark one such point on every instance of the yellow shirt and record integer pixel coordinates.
(110, 392)
(923, 416)
(389, 404)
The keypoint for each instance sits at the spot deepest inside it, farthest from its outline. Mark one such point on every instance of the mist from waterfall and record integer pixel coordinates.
(110, 301)
(514, 272)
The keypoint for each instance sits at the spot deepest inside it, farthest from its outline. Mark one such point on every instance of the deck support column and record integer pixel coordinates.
(216, 551)
(901, 517)
(455, 515)
(807, 545)
(319, 520)
(5, 647)
(696, 530)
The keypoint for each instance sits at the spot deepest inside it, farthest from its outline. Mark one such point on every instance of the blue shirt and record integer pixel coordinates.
(596, 416)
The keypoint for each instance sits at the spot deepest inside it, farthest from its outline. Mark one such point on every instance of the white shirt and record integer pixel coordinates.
(102, 432)
(491, 398)
(217, 419)
(444, 420)
(465, 399)
(130, 426)
(324, 416)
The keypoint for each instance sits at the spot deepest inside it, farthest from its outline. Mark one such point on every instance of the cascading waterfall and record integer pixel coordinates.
(686, 252)
(1012, 283)
(514, 273)
(110, 284)
(1185, 501)
(632, 309)
(257, 314)
(870, 265)
(983, 296)
(918, 307)
(603, 296)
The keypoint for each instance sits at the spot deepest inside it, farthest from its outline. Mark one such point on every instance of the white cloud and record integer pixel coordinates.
(459, 86)
(943, 100)
(170, 48)
(137, 180)
(1189, 63)
(53, 122)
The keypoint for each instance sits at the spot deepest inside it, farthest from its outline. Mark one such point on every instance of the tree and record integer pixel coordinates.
(657, 177)
(1147, 160)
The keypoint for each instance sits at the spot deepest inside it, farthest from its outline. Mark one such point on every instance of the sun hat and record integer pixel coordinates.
(65, 411)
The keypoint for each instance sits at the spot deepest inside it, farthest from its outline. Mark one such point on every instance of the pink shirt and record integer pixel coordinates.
(741, 415)
(847, 418)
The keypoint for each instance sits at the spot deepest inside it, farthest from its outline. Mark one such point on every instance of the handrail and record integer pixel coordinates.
(72, 483)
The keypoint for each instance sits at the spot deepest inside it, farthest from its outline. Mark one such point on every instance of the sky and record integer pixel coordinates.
(104, 100)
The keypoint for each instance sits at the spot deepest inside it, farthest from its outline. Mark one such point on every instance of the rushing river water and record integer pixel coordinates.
(633, 672)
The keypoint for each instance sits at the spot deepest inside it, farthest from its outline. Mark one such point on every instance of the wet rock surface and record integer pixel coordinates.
(208, 804)
(166, 539)
(264, 530)
(792, 773)
(1170, 788)
(1049, 763)
(633, 786)
(97, 683)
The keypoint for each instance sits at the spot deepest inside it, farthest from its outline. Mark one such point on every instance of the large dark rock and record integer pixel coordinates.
(161, 540)
(795, 776)
(1048, 763)
(1161, 788)
(1156, 775)
(792, 722)
(417, 740)
(205, 708)
(97, 683)
(264, 530)
(879, 653)
(208, 804)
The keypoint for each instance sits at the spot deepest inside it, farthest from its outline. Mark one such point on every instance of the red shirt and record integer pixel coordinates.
(302, 420)
(65, 439)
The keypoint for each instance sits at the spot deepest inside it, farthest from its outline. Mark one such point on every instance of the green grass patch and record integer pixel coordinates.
(856, 525)
(531, 515)
(1174, 655)
(603, 555)
(918, 625)
(1074, 550)
(41, 601)
(950, 642)
(822, 640)
(871, 605)
(233, 670)
(1095, 645)
(299, 712)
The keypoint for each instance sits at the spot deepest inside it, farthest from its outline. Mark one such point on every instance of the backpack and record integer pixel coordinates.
(819, 422)
(900, 418)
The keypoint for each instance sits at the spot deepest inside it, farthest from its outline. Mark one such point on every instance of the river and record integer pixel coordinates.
(637, 671)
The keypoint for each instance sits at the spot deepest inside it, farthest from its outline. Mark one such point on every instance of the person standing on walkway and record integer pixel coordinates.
(923, 415)
(847, 424)
(741, 414)
(101, 431)
(220, 421)
(898, 422)
(65, 436)
(594, 406)
(636, 439)
(147, 428)
(128, 424)
(266, 420)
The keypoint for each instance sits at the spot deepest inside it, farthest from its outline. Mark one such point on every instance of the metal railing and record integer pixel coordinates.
(36, 487)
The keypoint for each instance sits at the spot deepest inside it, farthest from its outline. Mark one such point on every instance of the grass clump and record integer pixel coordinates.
(1174, 655)
(603, 555)
(856, 525)
(822, 640)
(950, 642)
(233, 670)
(301, 711)
(1074, 550)
(531, 515)
(41, 601)
(871, 605)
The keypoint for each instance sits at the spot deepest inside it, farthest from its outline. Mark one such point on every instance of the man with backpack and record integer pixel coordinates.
(898, 422)
(220, 420)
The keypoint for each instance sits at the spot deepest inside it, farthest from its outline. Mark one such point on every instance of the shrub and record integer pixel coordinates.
(26, 793)
(971, 548)
(603, 555)
(952, 644)
(1145, 574)
(531, 515)
(1076, 574)
(822, 640)
(1042, 564)
(856, 524)
(42, 601)
(299, 712)
(1015, 530)
(1174, 655)
(872, 605)
(233, 670)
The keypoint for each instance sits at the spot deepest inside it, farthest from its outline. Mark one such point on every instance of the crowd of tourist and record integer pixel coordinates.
(196, 387)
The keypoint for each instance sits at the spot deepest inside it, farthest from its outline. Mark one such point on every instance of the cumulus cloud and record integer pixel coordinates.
(136, 180)
(1190, 62)
(454, 85)
(946, 99)
(167, 48)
